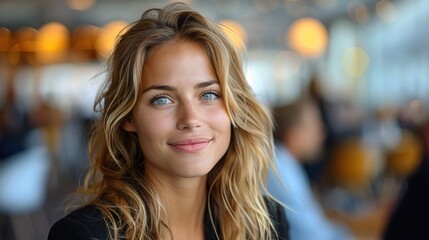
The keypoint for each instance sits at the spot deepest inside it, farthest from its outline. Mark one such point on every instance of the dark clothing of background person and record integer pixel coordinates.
(409, 218)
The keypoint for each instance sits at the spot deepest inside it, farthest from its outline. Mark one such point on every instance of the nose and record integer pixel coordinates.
(189, 117)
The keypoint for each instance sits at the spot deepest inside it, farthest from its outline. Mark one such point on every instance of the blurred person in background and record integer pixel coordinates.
(12, 129)
(341, 118)
(299, 134)
(408, 219)
(181, 141)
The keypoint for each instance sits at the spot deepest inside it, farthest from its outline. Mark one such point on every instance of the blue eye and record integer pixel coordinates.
(209, 96)
(159, 101)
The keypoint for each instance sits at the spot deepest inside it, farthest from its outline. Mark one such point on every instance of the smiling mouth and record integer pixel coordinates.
(193, 145)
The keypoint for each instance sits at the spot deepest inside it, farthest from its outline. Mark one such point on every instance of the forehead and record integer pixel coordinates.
(178, 61)
(173, 49)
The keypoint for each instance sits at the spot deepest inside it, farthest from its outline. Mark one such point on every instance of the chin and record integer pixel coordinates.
(195, 173)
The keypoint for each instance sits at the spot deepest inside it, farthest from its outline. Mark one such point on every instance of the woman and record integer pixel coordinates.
(182, 147)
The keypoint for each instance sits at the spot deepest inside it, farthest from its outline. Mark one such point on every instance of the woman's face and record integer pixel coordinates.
(180, 117)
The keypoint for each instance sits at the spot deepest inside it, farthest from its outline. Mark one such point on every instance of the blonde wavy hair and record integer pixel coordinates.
(116, 182)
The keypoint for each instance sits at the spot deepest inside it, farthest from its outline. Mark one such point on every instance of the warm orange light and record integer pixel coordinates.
(26, 39)
(235, 33)
(53, 42)
(14, 54)
(108, 37)
(84, 37)
(80, 5)
(308, 37)
(5, 39)
(83, 42)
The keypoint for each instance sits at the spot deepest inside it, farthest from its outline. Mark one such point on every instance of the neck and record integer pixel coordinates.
(186, 202)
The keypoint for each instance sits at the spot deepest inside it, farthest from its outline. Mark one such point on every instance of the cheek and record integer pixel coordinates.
(220, 119)
(222, 125)
(150, 128)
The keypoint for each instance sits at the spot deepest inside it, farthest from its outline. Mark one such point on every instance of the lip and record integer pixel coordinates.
(190, 145)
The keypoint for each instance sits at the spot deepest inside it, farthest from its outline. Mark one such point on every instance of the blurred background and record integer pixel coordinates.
(365, 63)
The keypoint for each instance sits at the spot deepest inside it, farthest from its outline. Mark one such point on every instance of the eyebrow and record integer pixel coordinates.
(172, 89)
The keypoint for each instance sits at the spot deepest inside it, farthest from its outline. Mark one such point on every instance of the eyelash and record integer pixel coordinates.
(216, 93)
(156, 97)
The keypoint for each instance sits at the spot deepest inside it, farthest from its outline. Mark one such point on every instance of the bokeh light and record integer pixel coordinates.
(5, 39)
(52, 43)
(355, 61)
(80, 5)
(83, 42)
(14, 54)
(108, 37)
(235, 32)
(308, 37)
(26, 39)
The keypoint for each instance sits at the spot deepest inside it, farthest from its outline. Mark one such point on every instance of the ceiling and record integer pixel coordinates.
(265, 21)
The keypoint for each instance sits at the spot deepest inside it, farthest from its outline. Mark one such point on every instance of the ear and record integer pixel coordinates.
(128, 125)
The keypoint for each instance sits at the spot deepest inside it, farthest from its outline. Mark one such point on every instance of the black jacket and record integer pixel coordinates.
(87, 223)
